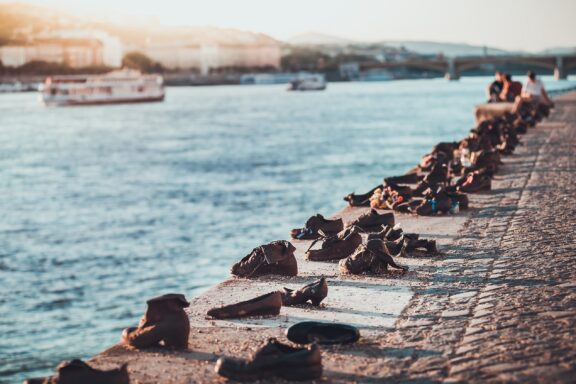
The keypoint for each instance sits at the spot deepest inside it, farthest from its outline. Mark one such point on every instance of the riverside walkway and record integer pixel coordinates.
(499, 305)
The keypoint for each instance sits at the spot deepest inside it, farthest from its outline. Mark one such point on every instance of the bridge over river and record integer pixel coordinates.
(454, 66)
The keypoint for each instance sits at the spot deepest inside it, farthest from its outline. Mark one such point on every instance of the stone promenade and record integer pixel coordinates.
(502, 307)
(498, 306)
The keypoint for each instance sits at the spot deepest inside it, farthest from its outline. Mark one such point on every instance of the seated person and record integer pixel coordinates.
(495, 88)
(534, 91)
(511, 89)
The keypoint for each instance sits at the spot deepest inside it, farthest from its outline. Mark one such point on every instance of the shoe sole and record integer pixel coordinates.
(301, 373)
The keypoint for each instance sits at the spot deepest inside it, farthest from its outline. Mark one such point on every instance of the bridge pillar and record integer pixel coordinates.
(559, 71)
(451, 72)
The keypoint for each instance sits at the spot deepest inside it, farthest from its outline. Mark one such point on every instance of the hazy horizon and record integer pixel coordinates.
(445, 21)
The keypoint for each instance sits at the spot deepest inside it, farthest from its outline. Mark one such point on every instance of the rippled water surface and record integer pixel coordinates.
(103, 207)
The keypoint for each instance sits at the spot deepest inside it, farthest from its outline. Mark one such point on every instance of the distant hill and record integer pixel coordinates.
(449, 49)
(314, 38)
(560, 51)
(421, 47)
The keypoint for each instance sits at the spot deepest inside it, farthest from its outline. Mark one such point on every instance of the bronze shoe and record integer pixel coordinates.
(361, 200)
(358, 262)
(315, 224)
(438, 175)
(77, 371)
(475, 182)
(396, 234)
(383, 251)
(416, 244)
(275, 258)
(409, 178)
(265, 305)
(336, 247)
(373, 221)
(274, 359)
(307, 332)
(314, 292)
(165, 323)
(461, 198)
(385, 233)
(374, 256)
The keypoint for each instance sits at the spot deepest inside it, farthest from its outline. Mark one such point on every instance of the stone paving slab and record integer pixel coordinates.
(499, 306)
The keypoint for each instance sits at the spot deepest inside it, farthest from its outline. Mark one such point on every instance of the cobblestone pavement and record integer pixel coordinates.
(499, 306)
(502, 307)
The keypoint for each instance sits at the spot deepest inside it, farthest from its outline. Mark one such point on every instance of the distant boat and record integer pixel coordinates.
(122, 86)
(308, 82)
(18, 87)
(266, 78)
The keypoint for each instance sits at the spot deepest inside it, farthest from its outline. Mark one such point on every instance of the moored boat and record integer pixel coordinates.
(308, 82)
(122, 86)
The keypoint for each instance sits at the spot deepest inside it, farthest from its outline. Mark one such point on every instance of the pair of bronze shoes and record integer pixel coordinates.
(77, 371)
(314, 225)
(270, 303)
(165, 324)
(412, 241)
(345, 243)
(375, 256)
(275, 258)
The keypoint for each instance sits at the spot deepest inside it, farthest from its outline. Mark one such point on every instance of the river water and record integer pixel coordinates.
(104, 207)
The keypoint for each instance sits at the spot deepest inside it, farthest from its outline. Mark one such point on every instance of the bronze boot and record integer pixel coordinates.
(336, 247)
(415, 244)
(317, 223)
(361, 200)
(275, 258)
(165, 323)
(314, 292)
(373, 221)
(76, 371)
(382, 252)
(358, 262)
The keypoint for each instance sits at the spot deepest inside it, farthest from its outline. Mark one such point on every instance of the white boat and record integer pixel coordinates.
(308, 82)
(122, 86)
(266, 78)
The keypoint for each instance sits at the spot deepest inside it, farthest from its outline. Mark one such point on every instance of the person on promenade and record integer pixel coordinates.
(533, 95)
(534, 90)
(511, 89)
(495, 88)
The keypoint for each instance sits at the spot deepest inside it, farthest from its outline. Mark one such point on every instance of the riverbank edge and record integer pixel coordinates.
(210, 339)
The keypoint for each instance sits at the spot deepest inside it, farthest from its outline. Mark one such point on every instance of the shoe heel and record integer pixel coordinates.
(316, 302)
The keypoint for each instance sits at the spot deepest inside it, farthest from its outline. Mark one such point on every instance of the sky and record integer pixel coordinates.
(529, 25)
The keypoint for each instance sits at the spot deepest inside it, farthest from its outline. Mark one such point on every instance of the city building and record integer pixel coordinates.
(205, 57)
(213, 49)
(77, 49)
